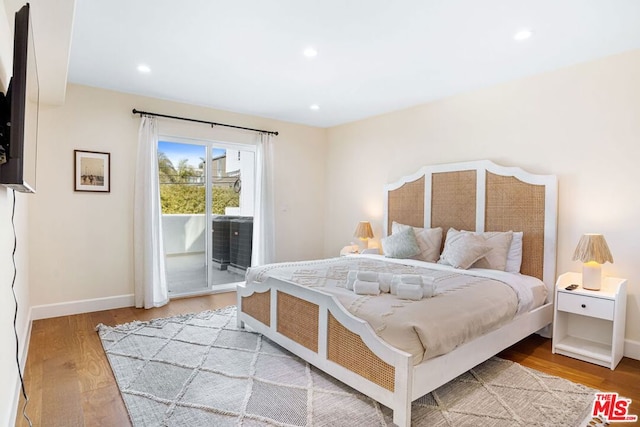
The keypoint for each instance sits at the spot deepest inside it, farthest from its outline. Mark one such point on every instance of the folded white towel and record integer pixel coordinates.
(428, 286)
(352, 275)
(363, 287)
(385, 280)
(412, 292)
(411, 279)
(368, 276)
(428, 290)
(407, 279)
(393, 288)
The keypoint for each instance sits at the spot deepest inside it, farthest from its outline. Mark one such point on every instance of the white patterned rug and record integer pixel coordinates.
(201, 370)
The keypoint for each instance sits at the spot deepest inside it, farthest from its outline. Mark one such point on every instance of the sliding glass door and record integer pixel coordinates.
(232, 198)
(207, 196)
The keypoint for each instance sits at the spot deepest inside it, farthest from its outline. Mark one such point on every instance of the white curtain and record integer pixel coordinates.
(149, 269)
(263, 251)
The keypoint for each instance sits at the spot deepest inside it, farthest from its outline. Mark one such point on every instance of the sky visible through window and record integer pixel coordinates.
(193, 153)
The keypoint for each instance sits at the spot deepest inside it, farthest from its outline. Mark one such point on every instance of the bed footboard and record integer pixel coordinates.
(315, 327)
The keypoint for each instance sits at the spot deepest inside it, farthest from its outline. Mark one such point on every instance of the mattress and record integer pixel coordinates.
(466, 304)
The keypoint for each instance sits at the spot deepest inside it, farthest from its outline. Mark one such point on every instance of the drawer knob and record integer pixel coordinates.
(583, 305)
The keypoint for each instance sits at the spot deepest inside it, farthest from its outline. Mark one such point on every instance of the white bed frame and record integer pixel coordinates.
(411, 382)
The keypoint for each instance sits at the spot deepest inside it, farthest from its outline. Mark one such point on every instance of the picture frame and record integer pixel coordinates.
(92, 171)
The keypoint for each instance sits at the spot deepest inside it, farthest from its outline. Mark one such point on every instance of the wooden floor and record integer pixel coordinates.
(70, 383)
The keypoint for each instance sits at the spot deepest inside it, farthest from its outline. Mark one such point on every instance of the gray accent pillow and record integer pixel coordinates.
(429, 241)
(402, 244)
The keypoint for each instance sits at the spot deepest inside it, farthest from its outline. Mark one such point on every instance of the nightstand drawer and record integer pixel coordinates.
(585, 305)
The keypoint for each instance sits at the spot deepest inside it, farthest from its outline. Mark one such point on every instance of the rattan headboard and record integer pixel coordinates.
(482, 196)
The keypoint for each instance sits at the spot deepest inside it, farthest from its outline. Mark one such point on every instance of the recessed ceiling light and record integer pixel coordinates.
(522, 35)
(314, 107)
(310, 52)
(144, 68)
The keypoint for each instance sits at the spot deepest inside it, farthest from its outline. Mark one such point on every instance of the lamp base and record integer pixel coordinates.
(591, 276)
(363, 245)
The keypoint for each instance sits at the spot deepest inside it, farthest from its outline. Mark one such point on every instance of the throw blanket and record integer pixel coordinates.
(466, 304)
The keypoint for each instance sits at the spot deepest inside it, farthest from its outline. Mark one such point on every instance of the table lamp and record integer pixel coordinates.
(364, 232)
(592, 251)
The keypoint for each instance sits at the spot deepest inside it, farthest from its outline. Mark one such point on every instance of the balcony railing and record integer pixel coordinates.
(183, 233)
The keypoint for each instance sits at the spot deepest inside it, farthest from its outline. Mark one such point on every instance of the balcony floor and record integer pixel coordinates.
(187, 273)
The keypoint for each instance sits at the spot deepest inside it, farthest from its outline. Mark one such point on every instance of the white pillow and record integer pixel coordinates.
(462, 249)
(402, 244)
(514, 257)
(429, 240)
(500, 242)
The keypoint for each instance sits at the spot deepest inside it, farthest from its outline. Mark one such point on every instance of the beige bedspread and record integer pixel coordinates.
(464, 306)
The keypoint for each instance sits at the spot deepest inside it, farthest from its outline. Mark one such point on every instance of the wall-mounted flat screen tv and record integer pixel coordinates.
(19, 171)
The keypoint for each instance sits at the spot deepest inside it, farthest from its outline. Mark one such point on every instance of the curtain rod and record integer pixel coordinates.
(146, 113)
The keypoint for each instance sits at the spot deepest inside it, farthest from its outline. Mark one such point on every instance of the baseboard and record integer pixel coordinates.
(632, 349)
(81, 306)
(26, 339)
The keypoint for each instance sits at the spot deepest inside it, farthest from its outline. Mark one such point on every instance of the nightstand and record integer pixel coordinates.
(589, 325)
(348, 251)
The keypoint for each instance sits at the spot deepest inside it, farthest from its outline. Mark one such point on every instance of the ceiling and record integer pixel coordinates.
(374, 56)
(52, 23)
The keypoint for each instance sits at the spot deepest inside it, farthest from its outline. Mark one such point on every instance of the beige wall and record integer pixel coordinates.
(580, 123)
(81, 243)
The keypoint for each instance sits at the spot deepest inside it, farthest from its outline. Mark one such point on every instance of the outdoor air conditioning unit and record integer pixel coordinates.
(220, 240)
(241, 241)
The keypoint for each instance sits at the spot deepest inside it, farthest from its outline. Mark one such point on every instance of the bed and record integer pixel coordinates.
(290, 304)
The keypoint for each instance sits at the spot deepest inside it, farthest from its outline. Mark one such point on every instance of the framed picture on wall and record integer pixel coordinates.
(92, 171)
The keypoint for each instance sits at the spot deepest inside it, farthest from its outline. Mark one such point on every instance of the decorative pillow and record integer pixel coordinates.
(462, 249)
(402, 244)
(500, 242)
(429, 240)
(514, 257)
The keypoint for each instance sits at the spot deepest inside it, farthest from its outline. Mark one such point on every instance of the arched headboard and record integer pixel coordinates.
(482, 196)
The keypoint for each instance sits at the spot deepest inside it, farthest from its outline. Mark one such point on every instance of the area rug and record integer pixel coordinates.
(201, 370)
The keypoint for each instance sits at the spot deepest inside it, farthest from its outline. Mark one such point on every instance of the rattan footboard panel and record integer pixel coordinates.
(298, 320)
(348, 350)
(258, 306)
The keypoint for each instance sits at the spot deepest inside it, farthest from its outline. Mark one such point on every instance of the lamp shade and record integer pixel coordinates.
(363, 231)
(592, 248)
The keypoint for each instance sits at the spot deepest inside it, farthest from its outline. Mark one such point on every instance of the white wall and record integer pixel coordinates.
(81, 245)
(8, 367)
(246, 164)
(580, 123)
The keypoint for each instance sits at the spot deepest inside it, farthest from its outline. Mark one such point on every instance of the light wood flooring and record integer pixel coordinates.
(70, 383)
